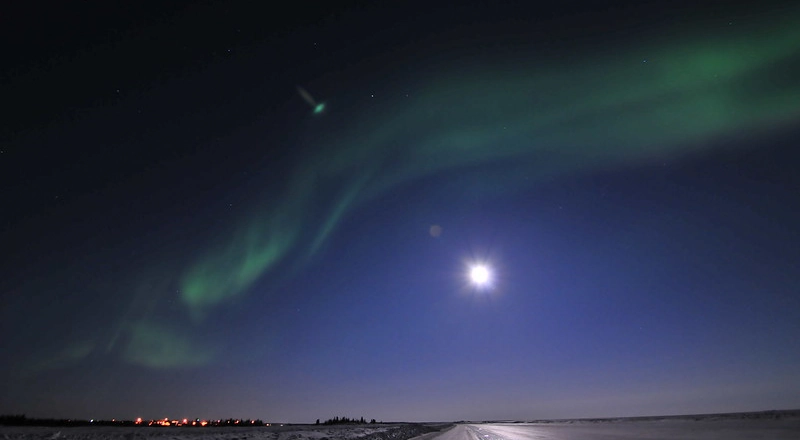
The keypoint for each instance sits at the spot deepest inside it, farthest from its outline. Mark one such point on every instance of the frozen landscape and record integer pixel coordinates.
(770, 425)
(286, 432)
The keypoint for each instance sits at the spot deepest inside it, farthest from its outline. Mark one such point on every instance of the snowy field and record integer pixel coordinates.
(724, 427)
(287, 432)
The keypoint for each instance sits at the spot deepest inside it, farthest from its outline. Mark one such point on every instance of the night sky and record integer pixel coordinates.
(184, 236)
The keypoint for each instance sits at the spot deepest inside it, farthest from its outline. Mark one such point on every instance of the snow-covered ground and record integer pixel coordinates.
(630, 430)
(766, 426)
(287, 432)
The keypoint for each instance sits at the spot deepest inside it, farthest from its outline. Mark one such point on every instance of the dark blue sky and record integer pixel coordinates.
(183, 237)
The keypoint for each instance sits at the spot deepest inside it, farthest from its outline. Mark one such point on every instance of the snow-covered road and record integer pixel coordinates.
(650, 430)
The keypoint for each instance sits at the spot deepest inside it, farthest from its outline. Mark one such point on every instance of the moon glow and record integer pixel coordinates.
(480, 275)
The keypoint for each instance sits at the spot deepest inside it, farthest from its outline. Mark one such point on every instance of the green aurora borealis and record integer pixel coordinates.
(616, 108)
(665, 97)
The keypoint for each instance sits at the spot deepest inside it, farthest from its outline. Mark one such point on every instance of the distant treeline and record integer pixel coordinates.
(346, 421)
(22, 420)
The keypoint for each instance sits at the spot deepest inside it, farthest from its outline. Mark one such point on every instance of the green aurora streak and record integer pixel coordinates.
(154, 345)
(622, 107)
(600, 112)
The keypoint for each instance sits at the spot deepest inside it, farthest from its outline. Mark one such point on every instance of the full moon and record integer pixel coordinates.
(480, 275)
